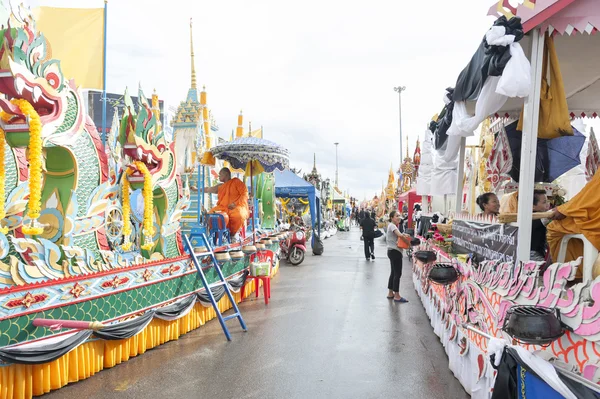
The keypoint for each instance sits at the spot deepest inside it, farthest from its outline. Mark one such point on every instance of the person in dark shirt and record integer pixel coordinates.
(361, 216)
(368, 230)
(538, 228)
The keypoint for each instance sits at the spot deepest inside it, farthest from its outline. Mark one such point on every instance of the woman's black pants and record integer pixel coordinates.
(396, 272)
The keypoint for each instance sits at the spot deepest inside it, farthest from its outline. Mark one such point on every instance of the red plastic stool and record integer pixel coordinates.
(266, 280)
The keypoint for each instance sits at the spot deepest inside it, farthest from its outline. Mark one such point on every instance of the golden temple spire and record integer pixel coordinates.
(407, 156)
(192, 54)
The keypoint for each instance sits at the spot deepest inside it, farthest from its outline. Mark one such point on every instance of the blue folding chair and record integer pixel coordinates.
(217, 229)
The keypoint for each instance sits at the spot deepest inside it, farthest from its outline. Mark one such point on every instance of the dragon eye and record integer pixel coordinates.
(53, 80)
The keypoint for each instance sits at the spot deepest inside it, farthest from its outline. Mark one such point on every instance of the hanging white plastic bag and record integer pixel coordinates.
(516, 77)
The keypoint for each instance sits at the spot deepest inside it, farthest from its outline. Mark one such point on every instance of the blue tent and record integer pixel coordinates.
(290, 185)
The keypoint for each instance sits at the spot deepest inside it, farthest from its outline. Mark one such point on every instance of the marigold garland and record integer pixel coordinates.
(126, 212)
(285, 202)
(148, 223)
(3, 230)
(34, 205)
(148, 206)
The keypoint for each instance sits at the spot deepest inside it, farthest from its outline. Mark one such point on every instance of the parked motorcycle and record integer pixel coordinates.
(294, 247)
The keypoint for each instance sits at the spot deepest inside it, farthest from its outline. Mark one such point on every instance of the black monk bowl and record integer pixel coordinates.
(533, 325)
(426, 256)
(443, 274)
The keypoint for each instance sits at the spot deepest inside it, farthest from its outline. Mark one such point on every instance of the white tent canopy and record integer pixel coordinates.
(579, 57)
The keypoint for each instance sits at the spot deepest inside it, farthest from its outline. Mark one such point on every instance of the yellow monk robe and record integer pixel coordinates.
(509, 203)
(582, 217)
(233, 191)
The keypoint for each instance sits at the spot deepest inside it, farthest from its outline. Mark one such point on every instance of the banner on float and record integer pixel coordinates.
(485, 241)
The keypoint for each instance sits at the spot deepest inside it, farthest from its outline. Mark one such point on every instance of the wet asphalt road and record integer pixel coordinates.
(328, 332)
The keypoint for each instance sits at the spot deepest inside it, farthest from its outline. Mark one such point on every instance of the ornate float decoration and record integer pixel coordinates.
(417, 159)
(408, 171)
(97, 241)
(314, 177)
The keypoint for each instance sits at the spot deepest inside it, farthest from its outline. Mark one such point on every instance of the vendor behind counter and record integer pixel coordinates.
(509, 204)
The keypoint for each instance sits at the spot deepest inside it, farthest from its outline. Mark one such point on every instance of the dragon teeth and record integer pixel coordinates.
(140, 154)
(37, 93)
(149, 158)
(19, 85)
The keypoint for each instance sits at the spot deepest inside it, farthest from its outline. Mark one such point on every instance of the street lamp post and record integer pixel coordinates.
(399, 90)
(336, 164)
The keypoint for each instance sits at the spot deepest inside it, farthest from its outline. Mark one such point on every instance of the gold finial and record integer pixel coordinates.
(192, 54)
(407, 156)
(315, 160)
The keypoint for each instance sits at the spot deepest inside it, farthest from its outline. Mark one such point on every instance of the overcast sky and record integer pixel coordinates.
(311, 73)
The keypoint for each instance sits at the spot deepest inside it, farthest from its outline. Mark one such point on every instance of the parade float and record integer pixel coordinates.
(90, 277)
(408, 197)
(513, 327)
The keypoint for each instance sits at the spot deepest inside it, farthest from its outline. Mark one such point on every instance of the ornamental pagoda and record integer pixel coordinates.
(314, 177)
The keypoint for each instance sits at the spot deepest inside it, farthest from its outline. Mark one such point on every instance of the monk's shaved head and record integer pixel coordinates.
(225, 171)
(224, 175)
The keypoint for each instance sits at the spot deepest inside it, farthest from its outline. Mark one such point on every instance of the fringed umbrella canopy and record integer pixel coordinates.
(251, 154)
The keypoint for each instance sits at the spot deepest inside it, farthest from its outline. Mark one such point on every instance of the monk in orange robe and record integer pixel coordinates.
(233, 200)
(582, 216)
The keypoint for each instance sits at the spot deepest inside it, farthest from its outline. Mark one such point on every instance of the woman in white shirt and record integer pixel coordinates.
(395, 255)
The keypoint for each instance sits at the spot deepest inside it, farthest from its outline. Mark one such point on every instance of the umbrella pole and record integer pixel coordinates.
(252, 201)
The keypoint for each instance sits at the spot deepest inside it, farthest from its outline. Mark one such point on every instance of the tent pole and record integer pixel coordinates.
(531, 115)
(319, 218)
(252, 201)
(200, 192)
(460, 176)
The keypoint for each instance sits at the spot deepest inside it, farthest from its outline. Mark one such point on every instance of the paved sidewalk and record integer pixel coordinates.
(328, 332)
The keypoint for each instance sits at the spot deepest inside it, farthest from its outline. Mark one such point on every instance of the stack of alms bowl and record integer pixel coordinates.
(249, 249)
(236, 254)
(222, 257)
(200, 250)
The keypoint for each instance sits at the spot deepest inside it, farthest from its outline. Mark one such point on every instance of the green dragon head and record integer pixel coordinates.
(28, 72)
(142, 139)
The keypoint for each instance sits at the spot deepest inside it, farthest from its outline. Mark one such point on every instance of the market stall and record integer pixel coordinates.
(290, 185)
(409, 199)
(484, 281)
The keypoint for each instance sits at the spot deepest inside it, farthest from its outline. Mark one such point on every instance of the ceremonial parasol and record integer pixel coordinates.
(554, 157)
(251, 154)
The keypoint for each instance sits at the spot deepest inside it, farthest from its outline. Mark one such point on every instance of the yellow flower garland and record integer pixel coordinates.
(34, 206)
(148, 206)
(148, 223)
(285, 202)
(126, 212)
(3, 230)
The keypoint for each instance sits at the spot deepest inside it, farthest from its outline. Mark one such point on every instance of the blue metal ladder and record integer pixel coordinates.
(198, 237)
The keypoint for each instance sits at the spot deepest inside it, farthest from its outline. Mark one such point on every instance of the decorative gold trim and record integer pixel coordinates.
(66, 173)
